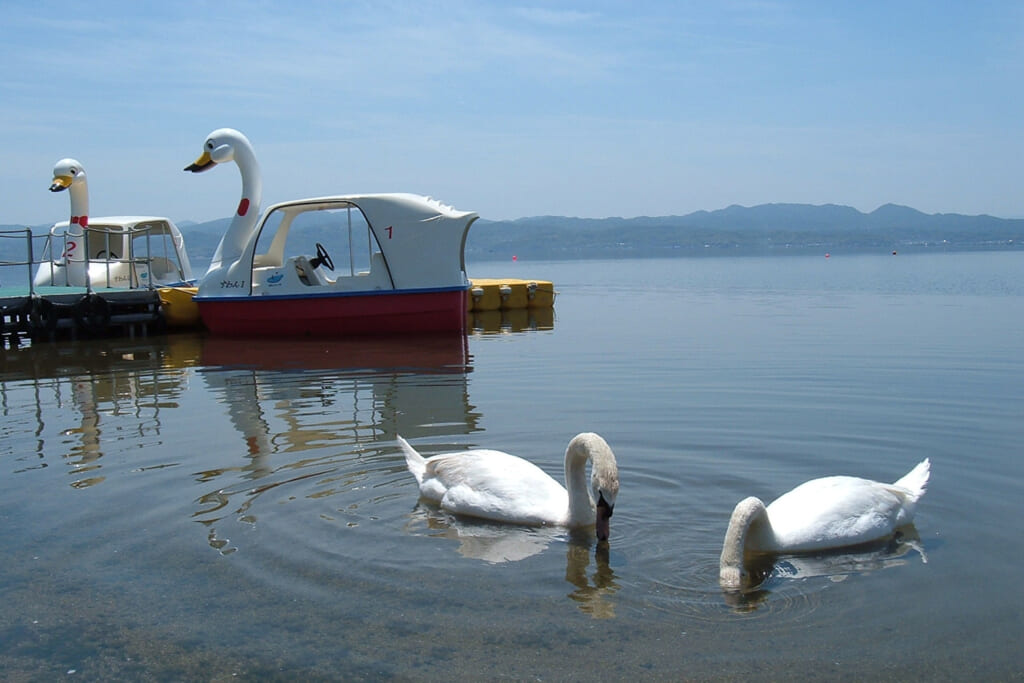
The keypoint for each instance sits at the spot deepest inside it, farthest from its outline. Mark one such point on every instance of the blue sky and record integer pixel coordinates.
(581, 109)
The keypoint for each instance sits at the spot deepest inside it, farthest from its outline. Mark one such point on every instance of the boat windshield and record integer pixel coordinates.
(339, 228)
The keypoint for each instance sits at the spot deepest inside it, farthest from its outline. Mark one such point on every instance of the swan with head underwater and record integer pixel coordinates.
(819, 515)
(500, 487)
(221, 146)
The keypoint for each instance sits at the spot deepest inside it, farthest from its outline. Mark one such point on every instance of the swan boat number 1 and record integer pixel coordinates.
(405, 270)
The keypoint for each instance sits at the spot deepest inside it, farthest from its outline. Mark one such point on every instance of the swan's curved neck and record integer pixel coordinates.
(605, 474)
(79, 194)
(581, 507)
(238, 234)
(747, 512)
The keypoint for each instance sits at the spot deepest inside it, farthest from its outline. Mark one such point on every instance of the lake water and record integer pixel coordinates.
(193, 508)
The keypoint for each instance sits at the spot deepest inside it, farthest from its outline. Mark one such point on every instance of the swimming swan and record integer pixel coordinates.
(832, 512)
(505, 488)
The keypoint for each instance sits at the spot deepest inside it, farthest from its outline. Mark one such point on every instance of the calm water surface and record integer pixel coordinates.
(195, 508)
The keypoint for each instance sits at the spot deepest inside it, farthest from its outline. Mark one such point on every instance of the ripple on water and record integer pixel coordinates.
(788, 591)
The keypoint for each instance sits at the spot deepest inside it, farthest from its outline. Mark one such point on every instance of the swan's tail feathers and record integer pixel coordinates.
(416, 463)
(916, 480)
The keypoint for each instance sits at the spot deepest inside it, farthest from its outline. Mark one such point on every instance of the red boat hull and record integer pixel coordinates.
(336, 314)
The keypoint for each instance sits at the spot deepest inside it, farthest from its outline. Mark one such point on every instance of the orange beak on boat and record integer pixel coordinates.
(203, 163)
(61, 182)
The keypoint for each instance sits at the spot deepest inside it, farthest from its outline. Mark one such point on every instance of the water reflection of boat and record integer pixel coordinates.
(768, 571)
(290, 394)
(440, 353)
(102, 360)
(105, 380)
(319, 408)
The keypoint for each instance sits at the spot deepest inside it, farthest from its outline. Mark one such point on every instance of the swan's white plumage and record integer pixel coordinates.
(506, 488)
(821, 514)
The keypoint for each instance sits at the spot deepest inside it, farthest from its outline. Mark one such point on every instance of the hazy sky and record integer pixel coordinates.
(587, 109)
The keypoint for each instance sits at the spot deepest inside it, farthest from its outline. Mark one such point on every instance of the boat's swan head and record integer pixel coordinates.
(219, 148)
(66, 172)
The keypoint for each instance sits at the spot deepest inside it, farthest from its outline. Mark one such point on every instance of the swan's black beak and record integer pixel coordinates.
(203, 163)
(604, 514)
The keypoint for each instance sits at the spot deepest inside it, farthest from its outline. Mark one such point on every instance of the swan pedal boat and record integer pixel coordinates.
(116, 252)
(405, 270)
(120, 252)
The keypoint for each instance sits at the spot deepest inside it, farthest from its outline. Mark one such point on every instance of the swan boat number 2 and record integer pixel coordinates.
(401, 269)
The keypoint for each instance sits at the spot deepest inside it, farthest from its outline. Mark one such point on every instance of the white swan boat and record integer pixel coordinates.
(400, 261)
(121, 252)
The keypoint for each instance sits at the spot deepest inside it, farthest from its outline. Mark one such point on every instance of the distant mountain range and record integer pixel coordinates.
(765, 229)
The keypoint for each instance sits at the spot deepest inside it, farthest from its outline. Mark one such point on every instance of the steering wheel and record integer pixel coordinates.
(103, 254)
(323, 257)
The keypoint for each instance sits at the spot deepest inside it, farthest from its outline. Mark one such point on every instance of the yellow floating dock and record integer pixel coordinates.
(508, 294)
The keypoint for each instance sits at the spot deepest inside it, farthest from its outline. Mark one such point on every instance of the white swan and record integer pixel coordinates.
(221, 146)
(505, 488)
(821, 514)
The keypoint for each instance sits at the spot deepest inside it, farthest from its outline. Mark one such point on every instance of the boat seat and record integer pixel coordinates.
(309, 275)
(162, 267)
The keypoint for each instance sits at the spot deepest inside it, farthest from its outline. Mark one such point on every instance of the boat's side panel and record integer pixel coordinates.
(371, 313)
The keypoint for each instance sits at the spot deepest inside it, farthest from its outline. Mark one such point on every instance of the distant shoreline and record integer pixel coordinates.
(764, 230)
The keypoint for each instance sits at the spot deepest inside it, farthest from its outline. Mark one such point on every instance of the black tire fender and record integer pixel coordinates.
(92, 313)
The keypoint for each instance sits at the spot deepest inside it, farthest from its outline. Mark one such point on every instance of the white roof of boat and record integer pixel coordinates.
(123, 221)
(407, 199)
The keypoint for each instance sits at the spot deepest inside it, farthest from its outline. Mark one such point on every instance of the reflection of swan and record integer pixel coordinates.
(836, 566)
(500, 543)
(490, 543)
(593, 595)
(505, 488)
(820, 514)
(221, 146)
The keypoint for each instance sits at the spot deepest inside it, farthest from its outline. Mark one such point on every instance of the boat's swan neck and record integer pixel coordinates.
(68, 174)
(221, 146)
